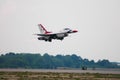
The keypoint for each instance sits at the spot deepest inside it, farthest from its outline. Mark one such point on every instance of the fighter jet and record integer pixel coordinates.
(48, 36)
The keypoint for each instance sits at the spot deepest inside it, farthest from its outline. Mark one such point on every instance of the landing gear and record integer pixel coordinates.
(61, 38)
(50, 40)
(45, 39)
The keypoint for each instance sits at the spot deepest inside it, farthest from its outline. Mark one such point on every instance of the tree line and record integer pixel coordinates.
(46, 61)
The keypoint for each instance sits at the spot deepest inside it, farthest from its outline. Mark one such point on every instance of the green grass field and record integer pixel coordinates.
(56, 76)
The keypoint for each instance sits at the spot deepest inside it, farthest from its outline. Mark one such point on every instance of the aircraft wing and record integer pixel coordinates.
(45, 34)
(51, 34)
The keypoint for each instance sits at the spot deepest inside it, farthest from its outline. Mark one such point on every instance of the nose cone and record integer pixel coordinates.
(74, 31)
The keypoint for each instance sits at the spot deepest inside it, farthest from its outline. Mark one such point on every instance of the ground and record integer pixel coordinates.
(6, 75)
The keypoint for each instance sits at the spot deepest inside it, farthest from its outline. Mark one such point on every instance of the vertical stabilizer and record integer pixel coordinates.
(42, 29)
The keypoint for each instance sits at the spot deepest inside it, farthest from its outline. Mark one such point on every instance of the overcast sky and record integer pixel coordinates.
(98, 23)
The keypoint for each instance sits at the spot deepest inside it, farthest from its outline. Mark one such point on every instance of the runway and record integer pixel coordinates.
(102, 71)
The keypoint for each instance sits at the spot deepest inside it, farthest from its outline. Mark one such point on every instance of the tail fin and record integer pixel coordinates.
(42, 29)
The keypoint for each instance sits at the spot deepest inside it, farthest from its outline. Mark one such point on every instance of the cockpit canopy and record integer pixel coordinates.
(67, 29)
